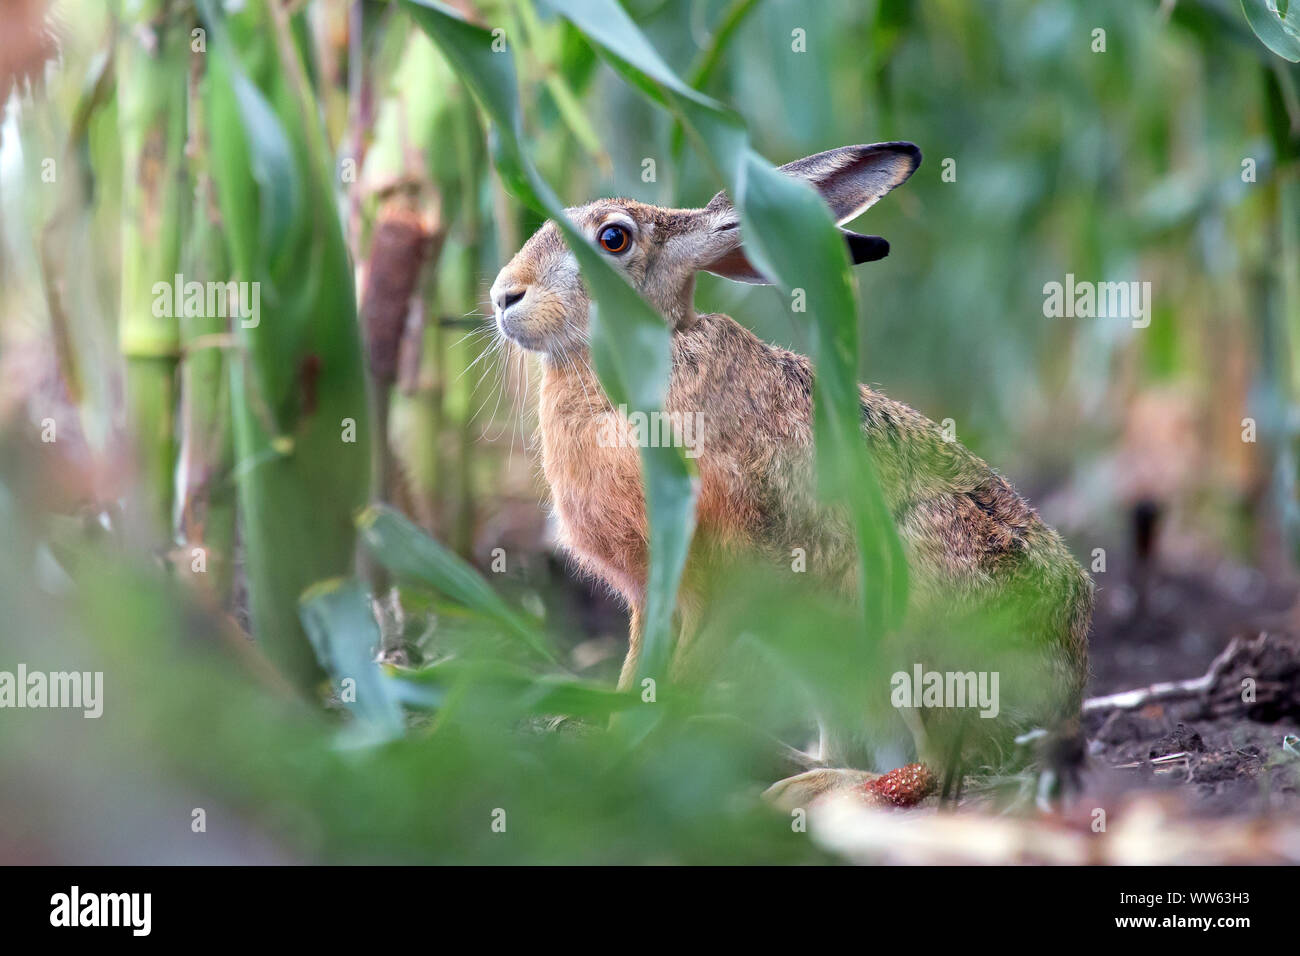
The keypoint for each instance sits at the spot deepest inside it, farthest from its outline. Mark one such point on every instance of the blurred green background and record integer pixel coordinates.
(201, 481)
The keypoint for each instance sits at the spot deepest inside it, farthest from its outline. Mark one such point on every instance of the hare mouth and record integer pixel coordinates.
(531, 341)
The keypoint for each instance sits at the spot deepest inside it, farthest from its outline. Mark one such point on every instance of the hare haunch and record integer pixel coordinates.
(973, 545)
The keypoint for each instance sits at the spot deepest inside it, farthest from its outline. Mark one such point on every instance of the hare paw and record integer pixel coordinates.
(803, 788)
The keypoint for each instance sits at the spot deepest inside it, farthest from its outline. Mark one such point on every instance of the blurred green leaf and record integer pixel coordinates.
(412, 555)
(1277, 24)
(270, 159)
(341, 626)
(711, 57)
(528, 692)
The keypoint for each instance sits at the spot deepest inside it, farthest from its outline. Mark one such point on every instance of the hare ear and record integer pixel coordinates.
(853, 178)
(720, 251)
(724, 256)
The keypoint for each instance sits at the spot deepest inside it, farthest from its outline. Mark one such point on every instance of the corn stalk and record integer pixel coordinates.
(205, 519)
(152, 121)
(301, 409)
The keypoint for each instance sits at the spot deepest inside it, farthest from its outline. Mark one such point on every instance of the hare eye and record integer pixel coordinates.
(614, 239)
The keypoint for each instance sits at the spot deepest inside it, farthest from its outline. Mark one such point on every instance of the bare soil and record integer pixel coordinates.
(1221, 751)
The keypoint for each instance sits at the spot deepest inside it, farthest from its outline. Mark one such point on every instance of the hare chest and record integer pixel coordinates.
(591, 460)
(594, 474)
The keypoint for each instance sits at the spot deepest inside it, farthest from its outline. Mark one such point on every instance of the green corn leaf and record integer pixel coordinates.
(529, 693)
(711, 57)
(1277, 24)
(270, 161)
(341, 626)
(412, 555)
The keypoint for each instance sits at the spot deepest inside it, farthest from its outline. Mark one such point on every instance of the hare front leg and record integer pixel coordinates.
(687, 621)
(627, 676)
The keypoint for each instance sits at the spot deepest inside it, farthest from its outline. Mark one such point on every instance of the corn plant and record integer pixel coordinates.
(152, 117)
(301, 409)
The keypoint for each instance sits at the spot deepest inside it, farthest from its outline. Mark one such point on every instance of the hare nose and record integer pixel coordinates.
(506, 298)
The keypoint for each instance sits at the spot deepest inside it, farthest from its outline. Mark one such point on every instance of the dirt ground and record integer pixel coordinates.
(1220, 754)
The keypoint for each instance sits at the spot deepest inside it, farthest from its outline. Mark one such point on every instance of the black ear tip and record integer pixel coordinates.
(901, 157)
(865, 248)
(910, 150)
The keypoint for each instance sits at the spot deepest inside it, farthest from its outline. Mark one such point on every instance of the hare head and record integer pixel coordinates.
(541, 303)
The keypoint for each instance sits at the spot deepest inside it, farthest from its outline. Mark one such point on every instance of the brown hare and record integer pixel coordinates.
(973, 545)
